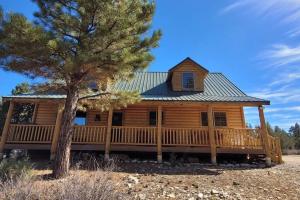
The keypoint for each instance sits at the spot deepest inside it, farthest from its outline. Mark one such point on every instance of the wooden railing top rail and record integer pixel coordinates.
(32, 125)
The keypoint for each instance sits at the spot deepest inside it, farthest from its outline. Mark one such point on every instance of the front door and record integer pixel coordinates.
(117, 119)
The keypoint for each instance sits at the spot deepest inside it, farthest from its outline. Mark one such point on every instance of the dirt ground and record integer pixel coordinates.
(149, 180)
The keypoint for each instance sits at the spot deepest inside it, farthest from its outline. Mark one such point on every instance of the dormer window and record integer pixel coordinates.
(188, 80)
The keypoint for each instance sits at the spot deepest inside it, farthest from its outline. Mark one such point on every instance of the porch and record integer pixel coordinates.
(196, 140)
(160, 138)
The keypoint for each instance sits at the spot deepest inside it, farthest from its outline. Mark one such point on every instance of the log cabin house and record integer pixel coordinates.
(187, 109)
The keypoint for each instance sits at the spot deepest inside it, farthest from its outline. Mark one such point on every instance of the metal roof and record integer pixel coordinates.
(153, 86)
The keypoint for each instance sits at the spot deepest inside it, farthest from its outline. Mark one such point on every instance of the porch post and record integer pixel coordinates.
(264, 135)
(159, 134)
(211, 131)
(6, 126)
(56, 130)
(108, 133)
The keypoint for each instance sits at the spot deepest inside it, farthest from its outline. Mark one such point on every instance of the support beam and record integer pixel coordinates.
(56, 130)
(108, 134)
(159, 134)
(6, 126)
(211, 131)
(264, 135)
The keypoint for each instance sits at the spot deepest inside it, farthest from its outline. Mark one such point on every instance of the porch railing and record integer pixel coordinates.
(89, 134)
(275, 149)
(225, 137)
(134, 135)
(185, 136)
(22, 133)
(238, 138)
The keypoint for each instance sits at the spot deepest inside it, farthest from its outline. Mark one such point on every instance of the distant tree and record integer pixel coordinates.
(295, 131)
(21, 88)
(22, 111)
(286, 139)
(76, 43)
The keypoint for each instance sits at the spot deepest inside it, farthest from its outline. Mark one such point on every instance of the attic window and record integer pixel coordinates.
(188, 80)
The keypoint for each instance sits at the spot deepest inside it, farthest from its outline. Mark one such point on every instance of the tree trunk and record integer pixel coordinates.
(62, 157)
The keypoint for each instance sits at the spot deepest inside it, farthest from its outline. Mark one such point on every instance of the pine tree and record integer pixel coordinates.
(295, 131)
(21, 88)
(74, 44)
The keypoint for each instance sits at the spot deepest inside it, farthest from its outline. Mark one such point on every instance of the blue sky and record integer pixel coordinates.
(255, 43)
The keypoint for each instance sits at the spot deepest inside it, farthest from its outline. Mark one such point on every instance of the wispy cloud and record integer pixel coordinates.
(286, 78)
(285, 10)
(281, 55)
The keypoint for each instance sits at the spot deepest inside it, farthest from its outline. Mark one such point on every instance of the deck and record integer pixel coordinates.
(145, 139)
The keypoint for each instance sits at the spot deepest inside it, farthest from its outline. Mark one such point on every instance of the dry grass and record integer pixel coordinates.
(79, 185)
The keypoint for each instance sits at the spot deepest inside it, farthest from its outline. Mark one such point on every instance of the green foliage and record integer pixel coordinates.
(21, 88)
(11, 169)
(286, 139)
(74, 43)
(295, 131)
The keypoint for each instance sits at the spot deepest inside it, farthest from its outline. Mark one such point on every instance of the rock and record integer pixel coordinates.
(17, 153)
(142, 196)
(129, 185)
(133, 179)
(214, 192)
(200, 195)
(193, 160)
(235, 183)
(192, 198)
(172, 195)
(245, 165)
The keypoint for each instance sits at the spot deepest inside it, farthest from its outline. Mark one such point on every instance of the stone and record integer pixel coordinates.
(172, 195)
(193, 160)
(214, 192)
(17, 153)
(142, 196)
(235, 183)
(200, 195)
(133, 179)
(192, 198)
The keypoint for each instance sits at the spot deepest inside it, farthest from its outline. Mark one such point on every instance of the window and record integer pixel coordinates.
(80, 118)
(188, 80)
(97, 118)
(117, 119)
(23, 113)
(152, 118)
(204, 119)
(220, 119)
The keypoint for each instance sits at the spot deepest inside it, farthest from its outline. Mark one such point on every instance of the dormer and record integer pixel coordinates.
(187, 76)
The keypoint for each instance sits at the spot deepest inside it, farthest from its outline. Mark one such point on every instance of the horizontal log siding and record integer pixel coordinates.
(136, 116)
(91, 114)
(188, 66)
(234, 116)
(46, 114)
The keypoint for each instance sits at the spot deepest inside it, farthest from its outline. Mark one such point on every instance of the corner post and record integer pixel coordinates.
(264, 135)
(211, 132)
(56, 130)
(159, 134)
(6, 126)
(108, 134)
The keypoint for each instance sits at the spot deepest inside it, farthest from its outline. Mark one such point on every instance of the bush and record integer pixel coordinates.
(78, 186)
(11, 169)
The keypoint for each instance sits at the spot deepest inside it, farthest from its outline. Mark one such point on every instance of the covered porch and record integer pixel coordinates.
(159, 138)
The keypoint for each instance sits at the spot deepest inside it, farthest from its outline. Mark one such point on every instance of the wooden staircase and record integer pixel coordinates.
(275, 149)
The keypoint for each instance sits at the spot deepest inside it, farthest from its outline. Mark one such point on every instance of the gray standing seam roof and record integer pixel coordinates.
(153, 86)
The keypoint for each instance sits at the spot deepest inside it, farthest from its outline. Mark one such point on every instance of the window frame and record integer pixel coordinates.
(149, 117)
(85, 118)
(123, 117)
(226, 118)
(182, 81)
(202, 118)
